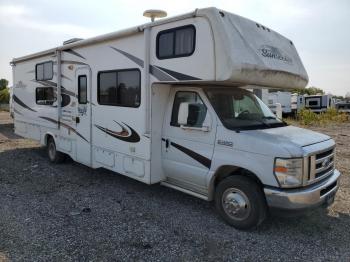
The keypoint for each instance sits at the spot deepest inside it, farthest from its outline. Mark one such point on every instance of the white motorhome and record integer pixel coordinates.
(316, 103)
(283, 98)
(294, 103)
(343, 107)
(165, 102)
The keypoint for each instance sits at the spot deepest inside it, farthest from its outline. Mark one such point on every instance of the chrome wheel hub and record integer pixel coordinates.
(236, 204)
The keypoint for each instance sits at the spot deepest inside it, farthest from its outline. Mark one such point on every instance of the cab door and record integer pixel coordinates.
(187, 150)
(83, 116)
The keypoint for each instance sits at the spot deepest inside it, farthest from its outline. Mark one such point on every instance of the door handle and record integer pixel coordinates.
(167, 142)
(77, 119)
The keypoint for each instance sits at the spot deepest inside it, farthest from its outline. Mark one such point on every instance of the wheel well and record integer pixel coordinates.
(235, 171)
(226, 171)
(47, 137)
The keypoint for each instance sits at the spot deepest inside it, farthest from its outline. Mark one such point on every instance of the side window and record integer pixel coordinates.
(44, 71)
(166, 45)
(313, 103)
(45, 96)
(82, 89)
(120, 88)
(176, 42)
(197, 111)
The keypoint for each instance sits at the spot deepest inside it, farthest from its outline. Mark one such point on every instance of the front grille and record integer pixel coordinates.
(321, 165)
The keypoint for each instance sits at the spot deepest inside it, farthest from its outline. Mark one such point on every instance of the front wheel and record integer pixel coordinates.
(241, 202)
(54, 155)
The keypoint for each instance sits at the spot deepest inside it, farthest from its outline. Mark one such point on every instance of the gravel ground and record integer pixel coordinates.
(70, 212)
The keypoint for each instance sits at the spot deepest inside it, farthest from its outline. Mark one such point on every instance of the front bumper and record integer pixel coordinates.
(304, 198)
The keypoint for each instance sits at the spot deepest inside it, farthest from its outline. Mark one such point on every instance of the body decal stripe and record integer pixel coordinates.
(177, 75)
(66, 77)
(18, 101)
(74, 53)
(160, 73)
(131, 57)
(123, 135)
(17, 112)
(64, 125)
(199, 158)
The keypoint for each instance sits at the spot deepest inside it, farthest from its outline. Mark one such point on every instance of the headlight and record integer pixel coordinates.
(289, 172)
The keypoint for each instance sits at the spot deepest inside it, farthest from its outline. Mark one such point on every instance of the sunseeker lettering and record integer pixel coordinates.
(274, 53)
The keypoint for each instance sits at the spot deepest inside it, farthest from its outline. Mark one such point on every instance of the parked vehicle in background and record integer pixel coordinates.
(294, 103)
(140, 102)
(316, 103)
(343, 107)
(284, 98)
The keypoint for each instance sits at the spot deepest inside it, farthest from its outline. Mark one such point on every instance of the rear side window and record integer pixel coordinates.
(44, 71)
(82, 89)
(313, 103)
(45, 96)
(119, 88)
(176, 42)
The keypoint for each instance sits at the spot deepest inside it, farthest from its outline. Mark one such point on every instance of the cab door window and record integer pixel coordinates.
(197, 110)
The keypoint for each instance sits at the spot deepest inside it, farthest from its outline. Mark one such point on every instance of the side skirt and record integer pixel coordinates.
(185, 190)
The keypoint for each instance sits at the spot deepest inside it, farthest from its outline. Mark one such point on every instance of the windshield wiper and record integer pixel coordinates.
(275, 118)
(262, 122)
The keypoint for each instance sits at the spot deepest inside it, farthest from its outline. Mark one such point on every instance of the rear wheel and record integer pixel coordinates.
(241, 202)
(54, 155)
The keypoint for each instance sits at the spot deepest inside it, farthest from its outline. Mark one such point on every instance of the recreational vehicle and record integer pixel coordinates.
(284, 98)
(294, 103)
(166, 102)
(343, 107)
(316, 103)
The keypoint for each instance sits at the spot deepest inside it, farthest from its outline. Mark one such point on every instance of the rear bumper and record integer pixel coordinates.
(304, 198)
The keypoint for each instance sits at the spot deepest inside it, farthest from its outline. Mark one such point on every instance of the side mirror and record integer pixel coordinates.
(183, 114)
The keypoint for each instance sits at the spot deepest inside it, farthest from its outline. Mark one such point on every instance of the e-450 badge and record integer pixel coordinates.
(225, 143)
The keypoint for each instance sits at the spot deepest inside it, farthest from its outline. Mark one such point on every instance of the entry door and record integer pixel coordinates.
(83, 116)
(187, 151)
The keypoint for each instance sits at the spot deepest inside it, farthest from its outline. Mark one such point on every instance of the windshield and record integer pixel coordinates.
(241, 109)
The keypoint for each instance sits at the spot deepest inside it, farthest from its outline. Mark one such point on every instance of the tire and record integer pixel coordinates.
(245, 206)
(54, 155)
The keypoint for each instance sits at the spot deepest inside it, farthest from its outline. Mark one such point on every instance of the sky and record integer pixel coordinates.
(320, 29)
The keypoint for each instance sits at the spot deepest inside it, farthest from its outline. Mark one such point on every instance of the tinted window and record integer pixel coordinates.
(166, 42)
(44, 71)
(313, 103)
(82, 89)
(176, 42)
(45, 96)
(184, 41)
(197, 111)
(40, 72)
(120, 88)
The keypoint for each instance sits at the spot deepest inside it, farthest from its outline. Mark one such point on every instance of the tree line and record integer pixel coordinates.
(4, 91)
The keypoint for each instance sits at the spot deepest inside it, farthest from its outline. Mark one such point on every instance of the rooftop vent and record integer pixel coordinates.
(153, 13)
(72, 40)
